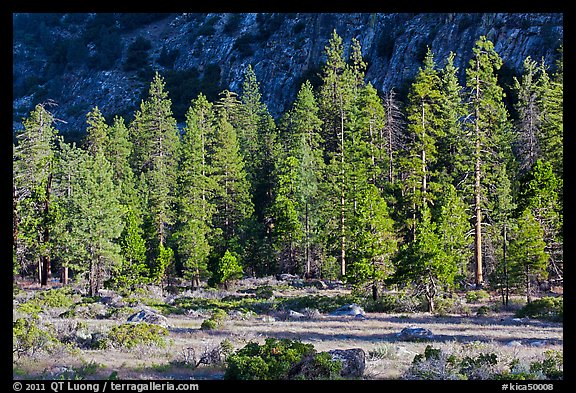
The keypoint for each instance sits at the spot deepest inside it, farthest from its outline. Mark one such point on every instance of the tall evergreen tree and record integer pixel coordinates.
(452, 152)
(552, 128)
(97, 221)
(257, 136)
(195, 191)
(424, 130)
(529, 112)
(156, 139)
(527, 256)
(423, 262)
(336, 94)
(375, 242)
(33, 167)
(232, 199)
(453, 227)
(96, 133)
(538, 195)
(489, 134)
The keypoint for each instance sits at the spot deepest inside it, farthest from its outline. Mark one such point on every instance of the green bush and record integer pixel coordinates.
(51, 298)
(483, 311)
(552, 367)
(394, 303)
(28, 337)
(436, 364)
(317, 366)
(547, 308)
(264, 292)
(475, 296)
(216, 321)
(130, 335)
(271, 361)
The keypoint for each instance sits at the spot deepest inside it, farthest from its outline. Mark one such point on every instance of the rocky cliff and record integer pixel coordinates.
(106, 60)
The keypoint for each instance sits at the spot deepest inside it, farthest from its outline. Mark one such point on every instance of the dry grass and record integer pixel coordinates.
(499, 333)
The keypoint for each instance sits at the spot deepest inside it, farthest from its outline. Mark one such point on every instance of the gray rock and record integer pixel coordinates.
(286, 277)
(414, 333)
(149, 317)
(295, 314)
(353, 361)
(349, 309)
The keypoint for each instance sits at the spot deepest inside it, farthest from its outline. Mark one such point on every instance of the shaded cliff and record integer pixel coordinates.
(106, 60)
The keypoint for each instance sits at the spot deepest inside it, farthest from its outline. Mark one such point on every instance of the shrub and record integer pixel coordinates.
(552, 367)
(216, 321)
(383, 351)
(482, 311)
(129, 335)
(28, 337)
(547, 308)
(264, 292)
(444, 306)
(51, 298)
(316, 366)
(436, 364)
(272, 360)
(394, 303)
(475, 296)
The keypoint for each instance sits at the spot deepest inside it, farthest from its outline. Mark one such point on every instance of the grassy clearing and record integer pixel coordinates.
(252, 312)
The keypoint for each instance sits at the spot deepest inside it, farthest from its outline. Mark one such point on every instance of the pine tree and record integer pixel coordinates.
(538, 195)
(227, 269)
(288, 231)
(552, 128)
(489, 128)
(97, 221)
(68, 249)
(132, 269)
(156, 139)
(423, 131)
(96, 132)
(232, 199)
(528, 259)
(423, 262)
(195, 189)
(375, 242)
(453, 227)
(529, 110)
(502, 225)
(257, 136)
(452, 152)
(336, 96)
(305, 128)
(33, 167)
(393, 137)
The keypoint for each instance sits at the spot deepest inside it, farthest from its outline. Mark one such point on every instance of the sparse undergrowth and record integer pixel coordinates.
(436, 364)
(61, 325)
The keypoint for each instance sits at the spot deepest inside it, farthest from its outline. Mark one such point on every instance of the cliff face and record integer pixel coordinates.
(81, 63)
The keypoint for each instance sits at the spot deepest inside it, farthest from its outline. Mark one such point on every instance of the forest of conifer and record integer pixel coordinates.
(456, 186)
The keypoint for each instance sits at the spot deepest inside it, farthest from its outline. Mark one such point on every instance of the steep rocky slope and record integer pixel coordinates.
(106, 60)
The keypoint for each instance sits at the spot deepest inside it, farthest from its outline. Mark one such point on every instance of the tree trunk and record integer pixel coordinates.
(506, 278)
(430, 301)
(46, 268)
(64, 275)
(528, 297)
(374, 291)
